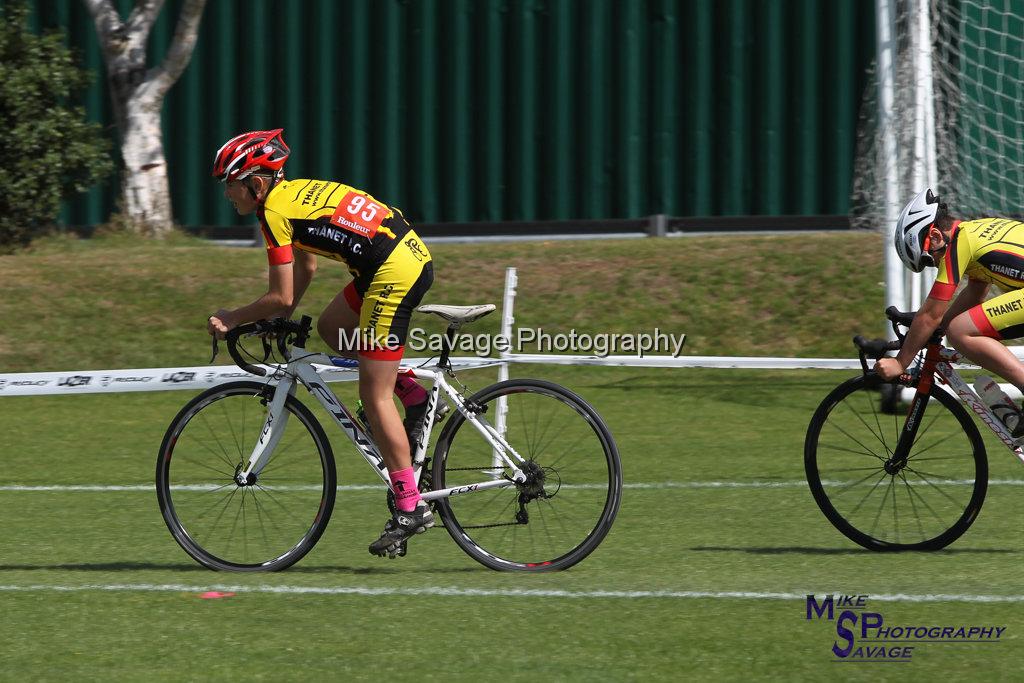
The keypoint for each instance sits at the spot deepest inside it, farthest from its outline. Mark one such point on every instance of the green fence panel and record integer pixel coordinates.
(491, 110)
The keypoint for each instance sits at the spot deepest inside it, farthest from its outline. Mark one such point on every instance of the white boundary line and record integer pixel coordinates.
(441, 591)
(100, 488)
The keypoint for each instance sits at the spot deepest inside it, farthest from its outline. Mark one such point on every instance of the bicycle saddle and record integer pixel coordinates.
(458, 315)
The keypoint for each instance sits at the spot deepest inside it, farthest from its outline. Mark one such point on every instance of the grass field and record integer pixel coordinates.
(701, 577)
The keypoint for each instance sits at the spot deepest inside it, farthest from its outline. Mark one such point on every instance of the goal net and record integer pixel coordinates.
(945, 109)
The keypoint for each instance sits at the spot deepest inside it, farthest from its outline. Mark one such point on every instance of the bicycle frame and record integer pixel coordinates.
(939, 361)
(300, 370)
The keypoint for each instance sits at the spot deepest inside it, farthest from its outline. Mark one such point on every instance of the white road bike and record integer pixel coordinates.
(524, 474)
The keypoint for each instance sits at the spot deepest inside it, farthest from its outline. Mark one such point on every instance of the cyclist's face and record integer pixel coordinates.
(238, 194)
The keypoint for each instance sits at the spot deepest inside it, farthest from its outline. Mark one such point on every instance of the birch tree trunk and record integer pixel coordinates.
(137, 95)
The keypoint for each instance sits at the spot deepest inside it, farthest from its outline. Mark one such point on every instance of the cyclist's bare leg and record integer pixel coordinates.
(336, 323)
(377, 383)
(376, 389)
(338, 320)
(987, 352)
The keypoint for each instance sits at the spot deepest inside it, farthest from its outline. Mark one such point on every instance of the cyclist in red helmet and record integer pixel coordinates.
(391, 269)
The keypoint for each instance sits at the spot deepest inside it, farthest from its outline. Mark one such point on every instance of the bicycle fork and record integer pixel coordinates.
(901, 454)
(270, 435)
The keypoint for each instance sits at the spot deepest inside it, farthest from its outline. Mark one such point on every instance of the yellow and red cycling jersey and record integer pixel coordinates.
(390, 265)
(331, 219)
(990, 250)
(987, 249)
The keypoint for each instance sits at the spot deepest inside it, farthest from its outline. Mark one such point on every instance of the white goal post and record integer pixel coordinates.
(946, 110)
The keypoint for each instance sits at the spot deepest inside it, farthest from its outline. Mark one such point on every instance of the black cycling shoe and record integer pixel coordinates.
(401, 526)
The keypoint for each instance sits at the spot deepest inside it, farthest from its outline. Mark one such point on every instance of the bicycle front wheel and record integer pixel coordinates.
(575, 479)
(926, 504)
(267, 525)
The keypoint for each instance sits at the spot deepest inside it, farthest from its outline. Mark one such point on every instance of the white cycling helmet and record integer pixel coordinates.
(912, 230)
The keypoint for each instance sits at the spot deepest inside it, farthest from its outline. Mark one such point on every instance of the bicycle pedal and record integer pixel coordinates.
(394, 551)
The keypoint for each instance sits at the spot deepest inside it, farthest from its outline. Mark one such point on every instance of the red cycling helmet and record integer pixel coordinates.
(244, 154)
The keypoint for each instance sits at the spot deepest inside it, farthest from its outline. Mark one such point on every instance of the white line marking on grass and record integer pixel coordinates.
(71, 488)
(440, 591)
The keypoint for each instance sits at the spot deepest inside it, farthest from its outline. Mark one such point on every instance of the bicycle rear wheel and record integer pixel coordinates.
(925, 505)
(567, 508)
(266, 526)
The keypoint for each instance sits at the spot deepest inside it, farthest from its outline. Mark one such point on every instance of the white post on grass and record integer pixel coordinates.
(924, 168)
(886, 63)
(507, 320)
(927, 103)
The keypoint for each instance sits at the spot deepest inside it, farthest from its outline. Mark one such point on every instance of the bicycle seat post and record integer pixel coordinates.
(449, 344)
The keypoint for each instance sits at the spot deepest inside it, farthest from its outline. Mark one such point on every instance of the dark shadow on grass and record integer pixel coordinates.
(104, 567)
(185, 567)
(726, 386)
(806, 550)
(371, 571)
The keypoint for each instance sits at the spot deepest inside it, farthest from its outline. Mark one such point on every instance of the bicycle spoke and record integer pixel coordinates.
(221, 455)
(941, 457)
(854, 469)
(870, 491)
(859, 481)
(544, 525)
(567, 450)
(895, 511)
(926, 427)
(850, 450)
(227, 502)
(924, 502)
(930, 483)
(881, 505)
(913, 506)
(881, 433)
(211, 505)
(878, 436)
(259, 517)
(230, 474)
(937, 443)
(857, 441)
(231, 426)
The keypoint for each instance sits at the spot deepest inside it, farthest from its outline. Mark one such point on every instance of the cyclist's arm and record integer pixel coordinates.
(303, 270)
(970, 296)
(925, 322)
(279, 296)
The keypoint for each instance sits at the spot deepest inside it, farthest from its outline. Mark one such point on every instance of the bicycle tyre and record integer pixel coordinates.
(180, 457)
(584, 502)
(945, 425)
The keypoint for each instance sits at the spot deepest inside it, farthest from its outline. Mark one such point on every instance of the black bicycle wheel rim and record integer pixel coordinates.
(582, 477)
(925, 506)
(265, 527)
